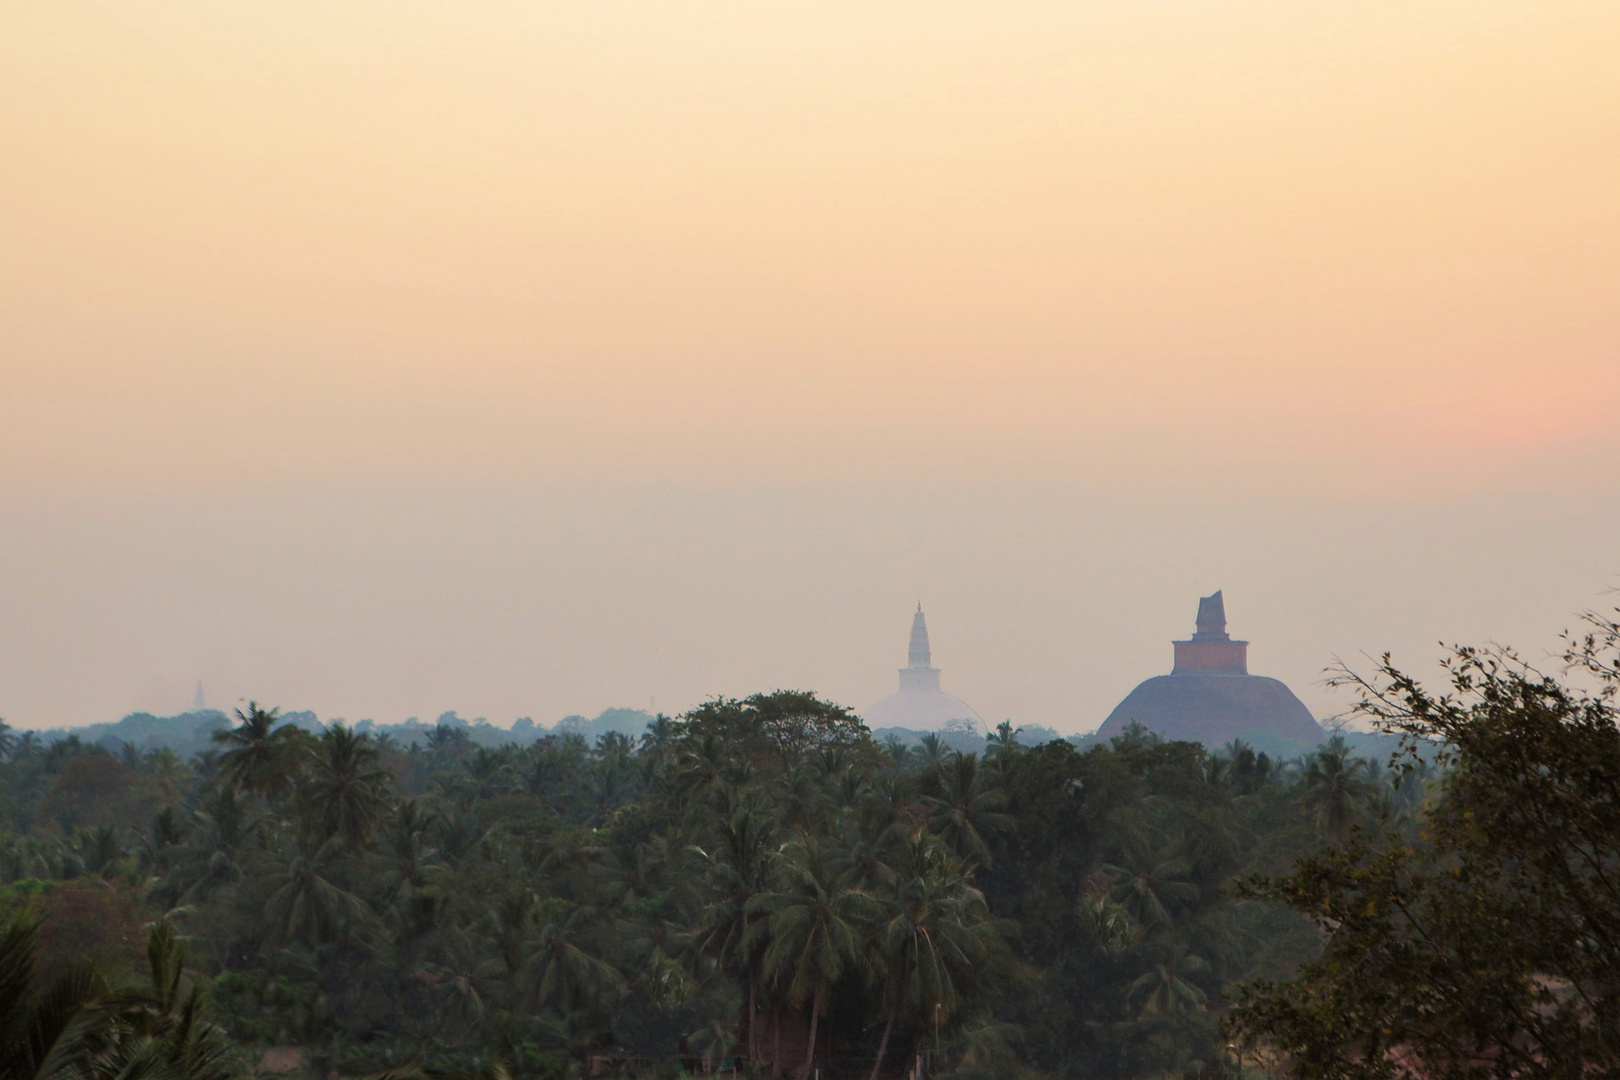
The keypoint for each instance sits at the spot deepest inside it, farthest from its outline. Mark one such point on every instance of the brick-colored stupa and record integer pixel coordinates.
(1210, 697)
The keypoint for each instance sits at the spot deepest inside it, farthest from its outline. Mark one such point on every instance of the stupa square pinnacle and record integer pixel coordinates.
(1210, 697)
(1211, 648)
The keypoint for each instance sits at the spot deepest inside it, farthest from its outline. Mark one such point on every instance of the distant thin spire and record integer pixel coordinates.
(199, 702)
(919, 655)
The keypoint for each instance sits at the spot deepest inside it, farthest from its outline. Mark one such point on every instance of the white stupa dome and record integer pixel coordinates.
(920, 704)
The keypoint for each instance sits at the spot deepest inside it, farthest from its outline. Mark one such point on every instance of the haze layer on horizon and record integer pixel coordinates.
(532, 359)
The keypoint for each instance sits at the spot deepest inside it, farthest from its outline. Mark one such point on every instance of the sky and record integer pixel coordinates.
(531, 359)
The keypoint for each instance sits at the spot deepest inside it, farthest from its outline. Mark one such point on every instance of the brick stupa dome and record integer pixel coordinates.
(1210, 697)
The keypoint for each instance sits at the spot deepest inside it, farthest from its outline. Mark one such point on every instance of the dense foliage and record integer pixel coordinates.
(757, 883)
(1487, 943)
(81, 1026)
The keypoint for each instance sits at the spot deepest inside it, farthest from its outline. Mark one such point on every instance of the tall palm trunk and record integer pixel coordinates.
(883, 1047)
(810, 1045)
(753, 1017)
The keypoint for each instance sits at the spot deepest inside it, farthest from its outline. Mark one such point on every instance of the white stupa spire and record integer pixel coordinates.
(918, 656)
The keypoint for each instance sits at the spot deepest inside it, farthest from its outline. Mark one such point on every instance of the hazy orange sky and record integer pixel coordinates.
(533, 358)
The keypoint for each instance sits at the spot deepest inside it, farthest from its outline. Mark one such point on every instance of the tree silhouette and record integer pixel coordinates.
(345, 787)
(813, 927)
(967, 808)
(261, 752)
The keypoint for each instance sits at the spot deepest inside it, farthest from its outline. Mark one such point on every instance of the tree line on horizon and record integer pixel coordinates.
(191, 732)
(759, 885)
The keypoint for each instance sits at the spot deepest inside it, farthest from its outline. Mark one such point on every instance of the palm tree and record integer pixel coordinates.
(931, 750)
(713, 1042)
(654, 950)
(614, 772)
(81, 1028)
(1165, 990)
(163, 841)
(345, 786)
(303, 899)
(40, 1037)
(814, 929)
(208, 852)
(1336, 790)
(896, 750)
(464, 975)
(513, 917)
(558, 970)
(167, 777)
(448, 743)
(967, 808)
(1246, 770)
(659, 736)
(1149, 894)
(737, 868)
(1002, 747)
(27, 747)
(890, 811)
(488, 774)
(702, 763)
(850, 786)
(406, 854)
(1410, 784)
(801, 797)
(461, 832)
(160, 1027)
(622, 881)
(261, 751)
(99, 849)
(668, 860)
(864, 865)
(935, 934)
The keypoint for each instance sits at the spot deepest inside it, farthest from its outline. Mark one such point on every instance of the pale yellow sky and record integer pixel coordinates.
(1157, 249)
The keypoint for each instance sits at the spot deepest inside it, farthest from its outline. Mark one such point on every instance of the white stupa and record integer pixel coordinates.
(920, 704)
